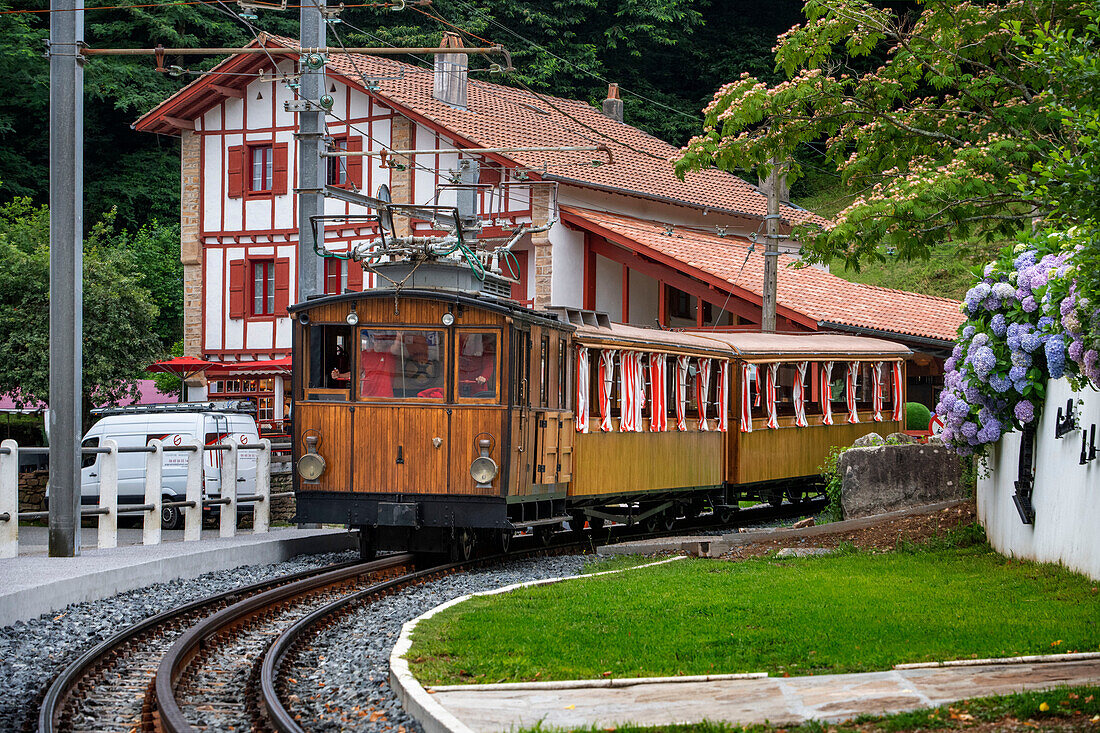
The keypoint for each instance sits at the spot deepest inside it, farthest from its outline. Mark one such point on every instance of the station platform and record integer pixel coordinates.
(34, 583)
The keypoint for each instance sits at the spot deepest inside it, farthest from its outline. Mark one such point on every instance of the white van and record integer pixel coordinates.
(212, 423)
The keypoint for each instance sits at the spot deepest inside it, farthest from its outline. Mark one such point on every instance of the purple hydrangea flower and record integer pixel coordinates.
(1055, 349)
(969, 429)
(973, 394)
(1029, 304)
(1076, 350)
(960, 408)
(1024, 411)
(983, 360)
(950, 364)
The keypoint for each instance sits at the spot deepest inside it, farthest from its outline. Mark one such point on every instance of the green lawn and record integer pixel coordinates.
(1060, 703)
(844, 613)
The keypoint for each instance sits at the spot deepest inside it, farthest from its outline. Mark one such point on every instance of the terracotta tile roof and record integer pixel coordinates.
(502, 116)
(825, 298)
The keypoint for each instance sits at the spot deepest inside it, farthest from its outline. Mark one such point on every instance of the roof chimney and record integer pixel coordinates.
(451, 73)
(613, 106)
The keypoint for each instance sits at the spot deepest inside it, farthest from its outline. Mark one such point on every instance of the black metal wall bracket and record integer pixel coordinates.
(1088, 445)
(1025, 480)
(1066, 423)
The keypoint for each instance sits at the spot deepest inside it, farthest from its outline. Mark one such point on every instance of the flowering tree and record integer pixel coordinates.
(934, 139)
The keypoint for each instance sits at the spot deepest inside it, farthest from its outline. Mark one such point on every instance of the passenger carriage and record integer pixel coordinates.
(430, 419)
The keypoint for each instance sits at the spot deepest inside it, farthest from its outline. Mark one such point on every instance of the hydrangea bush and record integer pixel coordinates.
(1028, 319)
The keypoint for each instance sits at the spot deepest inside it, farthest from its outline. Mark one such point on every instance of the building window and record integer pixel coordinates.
(259, 391)
(338, 167)
(336, 273)
(263, 288)
(262, 169)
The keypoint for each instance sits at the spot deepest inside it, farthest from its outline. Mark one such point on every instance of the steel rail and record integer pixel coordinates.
(179, 655)
(62, 687)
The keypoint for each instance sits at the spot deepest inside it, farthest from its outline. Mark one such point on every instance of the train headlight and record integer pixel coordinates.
(483, 470)
(312, 464)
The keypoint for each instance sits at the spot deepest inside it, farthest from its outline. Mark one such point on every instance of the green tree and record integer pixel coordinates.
(119, 314)
(933, 142)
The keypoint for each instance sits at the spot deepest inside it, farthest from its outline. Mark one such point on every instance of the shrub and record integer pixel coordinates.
(917, 416)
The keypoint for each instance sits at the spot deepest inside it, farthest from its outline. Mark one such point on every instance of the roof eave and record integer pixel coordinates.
(897, 335)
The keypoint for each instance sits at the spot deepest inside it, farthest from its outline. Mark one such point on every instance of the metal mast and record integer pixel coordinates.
(312, 168)
(771, 251)
(66, 271)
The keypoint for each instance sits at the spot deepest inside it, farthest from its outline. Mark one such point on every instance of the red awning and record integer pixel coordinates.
(244, 368)
(181, 366)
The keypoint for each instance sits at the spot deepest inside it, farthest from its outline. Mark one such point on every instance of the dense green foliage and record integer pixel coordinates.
(674, 53)
(917, 416)
(120, 315)
(752, 616)
(943, 135)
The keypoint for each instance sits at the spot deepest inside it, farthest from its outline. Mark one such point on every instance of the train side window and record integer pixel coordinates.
(594, 384)
(329, 374)
(401, 364)
(563, 375)
(544, 370)
(477, 366)
(670, 387)
(865, 389)
(521, 350)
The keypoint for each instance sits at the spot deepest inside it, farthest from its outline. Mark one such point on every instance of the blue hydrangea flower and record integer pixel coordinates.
(998, 325)
(980, 339)
(969, 429)
(983, 360)
(1021, 359)
(960, 408)
(1024, 411)
(1055, 349)
(1004, 291)
(1017, 373)
(1025, 260)
(1000, 383)
(1030, 342)
(1020, 385)
(968, 333)
(1045, 323)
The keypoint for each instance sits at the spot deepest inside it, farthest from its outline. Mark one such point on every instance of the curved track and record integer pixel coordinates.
(217, 661)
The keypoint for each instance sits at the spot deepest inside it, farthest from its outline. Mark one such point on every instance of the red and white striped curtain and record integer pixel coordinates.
(581, 411)
(759, 379)
(681, 384)
(658, 387)
(631, 392)
(607, 379)
(851, 382)
(800, 394)
(746, 398)
(769, 395)
(723, 396)
(876, 396)
(826, 371)
(702, 390)
(899, 406)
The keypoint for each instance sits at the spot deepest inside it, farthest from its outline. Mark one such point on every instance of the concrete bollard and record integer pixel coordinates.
(192, 515)
(154, 469)
(261, 509)
(227, 526)
(107, 535)
(9, 499)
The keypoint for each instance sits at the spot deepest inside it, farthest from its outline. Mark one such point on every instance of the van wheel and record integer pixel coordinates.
(170, 516)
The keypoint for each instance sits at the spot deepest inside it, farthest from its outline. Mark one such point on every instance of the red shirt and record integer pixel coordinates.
(376, 374)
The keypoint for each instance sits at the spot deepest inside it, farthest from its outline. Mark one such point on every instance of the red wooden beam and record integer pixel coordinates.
(228, 91)
(662, 303)
(179, 123)
(626, 294)
(589, 274)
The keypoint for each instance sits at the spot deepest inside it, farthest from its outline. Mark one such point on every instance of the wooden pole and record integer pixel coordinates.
(771, 251)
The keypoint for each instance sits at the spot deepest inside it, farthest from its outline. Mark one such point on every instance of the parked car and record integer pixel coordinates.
(212, 423)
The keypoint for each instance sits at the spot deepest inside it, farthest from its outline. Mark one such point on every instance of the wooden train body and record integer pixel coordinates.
(430, 418)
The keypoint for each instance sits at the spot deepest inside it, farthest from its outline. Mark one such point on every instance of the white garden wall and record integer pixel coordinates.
(1066, 496)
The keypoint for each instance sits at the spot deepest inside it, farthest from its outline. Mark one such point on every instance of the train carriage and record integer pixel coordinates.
(431, 419)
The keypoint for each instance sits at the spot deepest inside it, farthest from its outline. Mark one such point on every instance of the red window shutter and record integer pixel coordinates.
(490, 176)
(235, 171)
(236, 288)
(282, 285)
(278, 185)
(355, 164)
(519, 290)
(332, 276)
(355, 275)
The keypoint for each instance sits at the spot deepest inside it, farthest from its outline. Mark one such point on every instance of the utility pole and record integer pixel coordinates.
(771, 251)
(312, 168)
(66, 271)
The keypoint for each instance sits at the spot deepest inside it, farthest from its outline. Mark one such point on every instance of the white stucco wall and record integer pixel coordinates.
(1066, 495)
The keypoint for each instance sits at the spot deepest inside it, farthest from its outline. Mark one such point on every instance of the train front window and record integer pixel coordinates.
(329, 374)
(401, 364)
(477, 366)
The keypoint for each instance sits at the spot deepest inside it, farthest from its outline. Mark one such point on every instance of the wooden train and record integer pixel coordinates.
(432, 420)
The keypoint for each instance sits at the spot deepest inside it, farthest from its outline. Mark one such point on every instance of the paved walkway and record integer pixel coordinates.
(781, 701)
(35, 583)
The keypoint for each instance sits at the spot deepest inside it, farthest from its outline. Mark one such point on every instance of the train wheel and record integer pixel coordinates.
(595, 524)
(544, 534)
(651, 523)
(726, 514)
(368, 548)
(775, 498)
(504, 540)
(462, 546)
(796, 496)
(669, 520)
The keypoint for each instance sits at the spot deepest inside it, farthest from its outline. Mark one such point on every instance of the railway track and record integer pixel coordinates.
(221, 662)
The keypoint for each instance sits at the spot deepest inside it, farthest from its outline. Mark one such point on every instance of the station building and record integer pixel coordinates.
(627, 237)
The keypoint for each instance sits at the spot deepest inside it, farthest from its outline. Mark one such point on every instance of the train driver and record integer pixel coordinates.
(377, 363)
(477, 362)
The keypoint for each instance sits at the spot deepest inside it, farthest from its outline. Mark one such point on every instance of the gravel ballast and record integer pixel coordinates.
(341, 682)
(33, 652)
